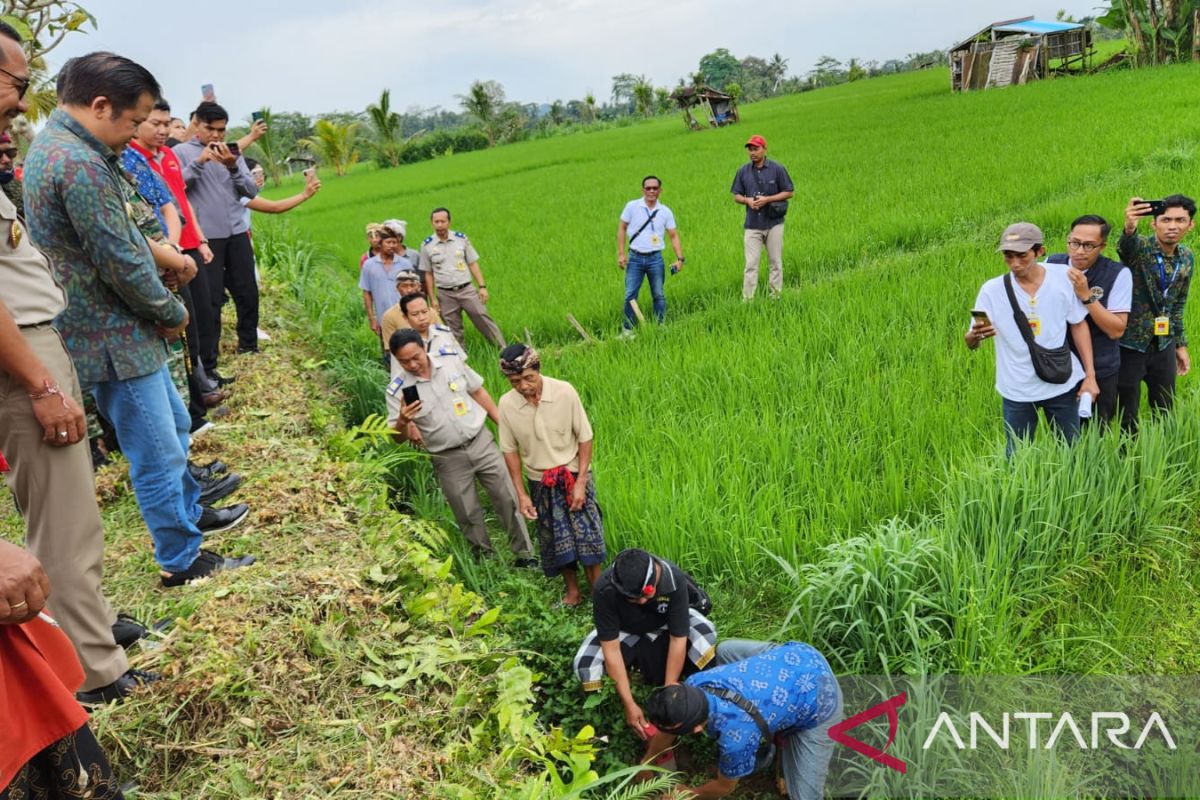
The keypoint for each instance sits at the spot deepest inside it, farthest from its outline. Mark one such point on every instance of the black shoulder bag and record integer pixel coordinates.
(1053, 365)
(649, 219)
(766, 746)
(775, 210)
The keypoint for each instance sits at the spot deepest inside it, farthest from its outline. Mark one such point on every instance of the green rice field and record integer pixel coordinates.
(832, 464)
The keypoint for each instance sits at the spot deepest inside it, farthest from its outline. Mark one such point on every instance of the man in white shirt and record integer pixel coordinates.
(1046, 297)
(651, 221)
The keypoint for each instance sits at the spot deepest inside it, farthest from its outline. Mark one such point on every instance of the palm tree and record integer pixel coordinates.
(589, 106)
(274, 149)
(387, 128)
(643, 98)
(484, 101)
(334, 143)
(777, 71)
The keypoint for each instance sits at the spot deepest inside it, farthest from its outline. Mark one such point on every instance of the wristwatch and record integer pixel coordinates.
(1090, 300)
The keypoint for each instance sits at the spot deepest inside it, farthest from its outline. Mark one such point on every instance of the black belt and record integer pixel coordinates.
(35, 325)
(455, 288)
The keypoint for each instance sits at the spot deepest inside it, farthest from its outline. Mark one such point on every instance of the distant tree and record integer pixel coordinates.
(643, 98)
(719, 67)
(755, 78)
(697, 80)
(589, 107)
(733, 90)
(484, 102)
(827, 72)
(777, 69)
(855, 71)
(386, 124)
(275, 147)
(662, 100)
(622, 89)
(335, 143)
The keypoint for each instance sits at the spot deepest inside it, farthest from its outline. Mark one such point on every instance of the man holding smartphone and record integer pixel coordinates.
(1154, 346)
(216, 178)
(763, 187)
(437, 402)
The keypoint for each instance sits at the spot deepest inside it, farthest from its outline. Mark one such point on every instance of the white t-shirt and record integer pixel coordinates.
(1057, 307)
(652, 238)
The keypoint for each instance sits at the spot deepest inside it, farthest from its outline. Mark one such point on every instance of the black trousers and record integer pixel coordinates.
(1106, 403)
(202, 313)
(54, 773)
(196, 408)
(1154, 368)
(233, 262)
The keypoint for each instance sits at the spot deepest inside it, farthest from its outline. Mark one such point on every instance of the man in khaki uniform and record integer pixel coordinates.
(44, 436)
(448, 420)
(407, 282)
(448, 263)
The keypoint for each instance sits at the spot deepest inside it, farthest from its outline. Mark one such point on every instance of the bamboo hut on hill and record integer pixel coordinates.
(1017, 51)
(703, 106)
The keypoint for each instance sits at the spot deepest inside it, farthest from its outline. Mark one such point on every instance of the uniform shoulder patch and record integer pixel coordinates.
(460, 235)
(393, 388)
(439, 327)
(428, 239)
(447, 350)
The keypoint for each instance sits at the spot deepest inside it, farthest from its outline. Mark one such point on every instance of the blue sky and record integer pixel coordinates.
(323, 56)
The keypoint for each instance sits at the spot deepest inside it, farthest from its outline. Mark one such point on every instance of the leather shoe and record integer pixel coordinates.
(221, 380)
(218, 488)
(207, 563)
(129, 681)
(209, 471)
(526, 563)
(215, 520)
(127, 630)
(214, 399)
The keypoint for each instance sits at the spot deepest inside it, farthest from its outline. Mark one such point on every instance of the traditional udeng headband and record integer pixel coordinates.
(647, 588)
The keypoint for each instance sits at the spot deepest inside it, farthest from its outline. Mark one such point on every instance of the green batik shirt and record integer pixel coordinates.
(1144, 257)
(77, 204)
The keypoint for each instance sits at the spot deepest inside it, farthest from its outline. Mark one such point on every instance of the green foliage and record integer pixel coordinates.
(720, 67)
(387, 130)
(335, 143)
(275, 147)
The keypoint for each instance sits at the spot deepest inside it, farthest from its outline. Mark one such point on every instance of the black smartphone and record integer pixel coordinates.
(233, 148)
(410, 395)
(1157, 207)
(255, 116)
(980, 316)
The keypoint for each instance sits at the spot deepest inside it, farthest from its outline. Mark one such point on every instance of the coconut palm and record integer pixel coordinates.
(484, 101)
(589, 106)
(643, 98)
(335, 143)
(387, 130)
(777, 71)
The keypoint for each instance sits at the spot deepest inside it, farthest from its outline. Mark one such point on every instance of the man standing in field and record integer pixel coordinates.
(1045, 297)
(448, 263)
(448, 417)
(763, 187)
(377, 279)
(1105, 288)
(650, 220)
(1154, 347)
(650, 617)
(546, 440)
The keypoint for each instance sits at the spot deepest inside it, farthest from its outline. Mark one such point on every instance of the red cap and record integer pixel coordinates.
(757, 141)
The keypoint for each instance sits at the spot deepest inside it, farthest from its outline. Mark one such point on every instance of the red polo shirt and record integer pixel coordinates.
(167, 166)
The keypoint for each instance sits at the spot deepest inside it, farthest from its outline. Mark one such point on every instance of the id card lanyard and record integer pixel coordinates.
(1164, 285)
(1035, 322)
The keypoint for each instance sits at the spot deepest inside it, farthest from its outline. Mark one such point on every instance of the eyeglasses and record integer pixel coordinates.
(1086, 247)
(651, 188)
(20, 84)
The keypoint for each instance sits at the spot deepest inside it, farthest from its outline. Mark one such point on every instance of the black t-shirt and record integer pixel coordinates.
(613, 613)
(770, 180)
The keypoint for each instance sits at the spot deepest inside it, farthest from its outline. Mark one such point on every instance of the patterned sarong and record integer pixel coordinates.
(566, 536)
(702, 646)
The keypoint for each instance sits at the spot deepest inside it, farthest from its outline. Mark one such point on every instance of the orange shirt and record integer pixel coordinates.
(39, 674)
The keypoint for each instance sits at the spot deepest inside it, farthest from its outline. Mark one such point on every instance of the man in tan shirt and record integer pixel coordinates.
(545, 436)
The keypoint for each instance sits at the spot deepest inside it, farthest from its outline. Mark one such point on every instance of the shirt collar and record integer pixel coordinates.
(547, 395)
(65, 120)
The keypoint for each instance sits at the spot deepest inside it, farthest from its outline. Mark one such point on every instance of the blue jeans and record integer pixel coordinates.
(642, 265)
(1021, 418)
(152, 426)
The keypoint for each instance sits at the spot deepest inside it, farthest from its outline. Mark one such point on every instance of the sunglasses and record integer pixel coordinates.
(651, 188)
(19, 83)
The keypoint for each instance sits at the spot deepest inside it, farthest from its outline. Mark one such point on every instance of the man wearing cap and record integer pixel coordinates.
(763, 187)
(448, 262)
(650, 220)
(1105, 288)
(407, 282)
(635, 602)
(757, 693)
(1046, 297)
(448, 418)
(1154, 347)
(378, 276)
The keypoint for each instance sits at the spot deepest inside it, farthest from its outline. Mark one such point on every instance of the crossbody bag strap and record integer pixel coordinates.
(1019, 315)
(744, 705)
(649, 219)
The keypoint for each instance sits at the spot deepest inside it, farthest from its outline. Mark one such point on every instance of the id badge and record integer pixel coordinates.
(1035, 325)
(655, 240)
(462, 266)
(460, 408)
(1162, 326)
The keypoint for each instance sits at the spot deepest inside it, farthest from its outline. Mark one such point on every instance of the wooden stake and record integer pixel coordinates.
(637, 312)
(587, 337)
(528, 338)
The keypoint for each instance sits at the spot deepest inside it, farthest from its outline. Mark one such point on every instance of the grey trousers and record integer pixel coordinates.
(754, 242)
(456, 471)
(54, 488)
(453, 302)
(806, 753)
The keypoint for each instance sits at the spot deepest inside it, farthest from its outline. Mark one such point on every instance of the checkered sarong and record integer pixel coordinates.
(702, 646)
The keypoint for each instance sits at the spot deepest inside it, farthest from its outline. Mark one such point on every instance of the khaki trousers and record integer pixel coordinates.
(754, 242)
(456, 471)
(56, 493)
(453, 302)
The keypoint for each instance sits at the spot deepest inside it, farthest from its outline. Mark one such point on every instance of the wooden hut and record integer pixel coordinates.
(1017, 51)
(704, 107)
